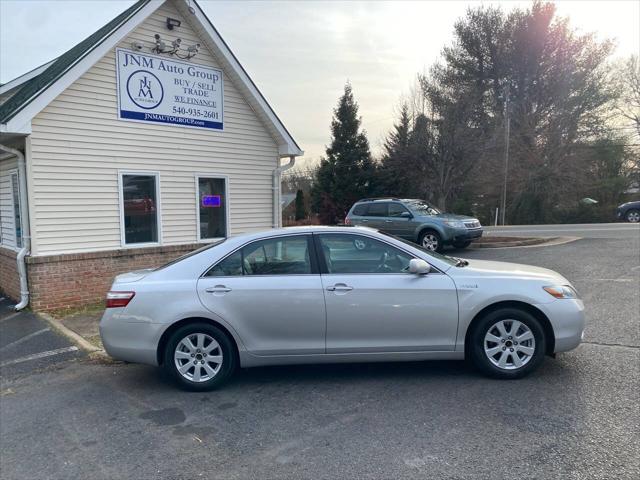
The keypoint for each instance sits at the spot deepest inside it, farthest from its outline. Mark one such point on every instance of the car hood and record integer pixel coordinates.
(133, 276)
(488, 268)
(450, 216)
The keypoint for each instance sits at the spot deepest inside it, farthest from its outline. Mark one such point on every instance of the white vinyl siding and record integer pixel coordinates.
(78, 146)
(7, 210)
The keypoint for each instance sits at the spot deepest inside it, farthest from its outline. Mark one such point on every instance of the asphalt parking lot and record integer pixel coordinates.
(577, 417)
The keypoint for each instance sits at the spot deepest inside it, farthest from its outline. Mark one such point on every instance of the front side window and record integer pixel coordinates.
(140, 208)
(273, 256)
(396, 210)
(346, 254)
(212, 217)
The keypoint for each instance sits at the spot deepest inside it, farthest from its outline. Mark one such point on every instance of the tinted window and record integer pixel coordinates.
(360, 210)
(140, 209)
(396, 209)
(213, 212)
(346, 253)
(378, 209)
(275, 256)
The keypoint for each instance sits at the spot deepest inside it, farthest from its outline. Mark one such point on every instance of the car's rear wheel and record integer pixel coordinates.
(507, 343)
(430, 239)
(199, 357)
(633, 216)
(464, 244)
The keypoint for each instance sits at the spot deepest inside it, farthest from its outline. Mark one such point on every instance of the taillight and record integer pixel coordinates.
(347, 221)
(119, 299)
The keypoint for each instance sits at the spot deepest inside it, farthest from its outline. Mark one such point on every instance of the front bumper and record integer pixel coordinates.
(466, 235)
(567, 320)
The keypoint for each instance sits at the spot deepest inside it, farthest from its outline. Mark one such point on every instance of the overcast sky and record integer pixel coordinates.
(300, 54)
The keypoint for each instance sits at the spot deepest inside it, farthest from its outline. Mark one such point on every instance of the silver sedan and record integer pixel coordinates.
(335, 294)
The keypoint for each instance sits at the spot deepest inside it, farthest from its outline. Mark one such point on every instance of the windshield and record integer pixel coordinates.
(190, 254)
(450, 260)
(421, 207)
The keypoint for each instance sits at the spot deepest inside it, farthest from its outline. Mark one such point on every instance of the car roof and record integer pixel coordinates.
(388, 199)
(302, 230)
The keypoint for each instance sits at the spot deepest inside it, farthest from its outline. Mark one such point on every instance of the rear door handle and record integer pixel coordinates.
(339, 287)
(218, 289)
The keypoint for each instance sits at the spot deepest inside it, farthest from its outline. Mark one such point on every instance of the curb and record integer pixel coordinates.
(79, 340)
(531, 242)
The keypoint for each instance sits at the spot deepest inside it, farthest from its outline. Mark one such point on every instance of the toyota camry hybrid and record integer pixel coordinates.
(335, 294)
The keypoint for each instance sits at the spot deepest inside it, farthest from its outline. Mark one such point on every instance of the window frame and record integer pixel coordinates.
(11, 220)
(215, 176)
(314, 259)
(146, 173)
(323, 264)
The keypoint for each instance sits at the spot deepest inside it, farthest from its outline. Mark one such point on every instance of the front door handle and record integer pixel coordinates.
(388, 221)
(218, 289)
(339, 287)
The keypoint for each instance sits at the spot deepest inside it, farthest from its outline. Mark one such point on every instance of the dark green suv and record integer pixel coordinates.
(415, 220)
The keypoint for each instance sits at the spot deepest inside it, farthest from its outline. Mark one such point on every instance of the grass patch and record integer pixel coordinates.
(91, 309)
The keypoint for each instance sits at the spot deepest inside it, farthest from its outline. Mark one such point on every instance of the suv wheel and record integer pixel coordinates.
(507, 343)
(430, 239)
(199, 357)
(633, 216)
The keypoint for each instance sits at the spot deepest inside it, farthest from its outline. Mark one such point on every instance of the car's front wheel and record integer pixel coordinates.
(507, 343)
(199, 357)
(430, 239)
(633, 216)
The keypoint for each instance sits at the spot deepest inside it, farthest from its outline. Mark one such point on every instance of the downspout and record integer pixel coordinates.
(24, 227)
(277, 214)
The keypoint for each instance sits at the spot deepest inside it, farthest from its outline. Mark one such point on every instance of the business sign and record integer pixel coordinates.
(162, 90)
(211, 201)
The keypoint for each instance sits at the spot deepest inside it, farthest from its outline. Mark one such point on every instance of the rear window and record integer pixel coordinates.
(192, 253)
(360, 210)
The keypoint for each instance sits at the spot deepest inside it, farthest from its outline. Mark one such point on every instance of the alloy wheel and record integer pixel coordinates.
(430, 242)
(633, 217)
(509, 344)
(198, 357)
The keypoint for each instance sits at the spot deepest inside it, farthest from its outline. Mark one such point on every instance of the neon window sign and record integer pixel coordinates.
(211, 201)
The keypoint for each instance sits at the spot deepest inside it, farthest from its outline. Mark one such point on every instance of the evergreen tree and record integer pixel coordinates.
(300, 209)
(347, 172)
(394, 175)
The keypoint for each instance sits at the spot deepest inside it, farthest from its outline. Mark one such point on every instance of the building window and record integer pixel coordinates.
(212, 208)
(15, 192)
(140, 208)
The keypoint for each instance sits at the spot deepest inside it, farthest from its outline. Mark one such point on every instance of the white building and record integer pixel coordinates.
(143, 141)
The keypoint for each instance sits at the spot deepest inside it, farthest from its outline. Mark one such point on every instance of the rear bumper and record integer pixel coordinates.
(135, 342)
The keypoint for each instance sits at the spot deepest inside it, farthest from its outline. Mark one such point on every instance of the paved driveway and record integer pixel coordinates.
(576, 417)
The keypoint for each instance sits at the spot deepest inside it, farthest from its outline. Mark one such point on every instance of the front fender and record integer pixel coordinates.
(430, 226)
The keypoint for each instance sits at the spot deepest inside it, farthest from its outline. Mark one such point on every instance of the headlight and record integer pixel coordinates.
(455, 223)
(561, 291)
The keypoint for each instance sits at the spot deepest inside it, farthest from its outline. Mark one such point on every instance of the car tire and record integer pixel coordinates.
(431, 240)
(210, 347)
(498, 325)
(633, 216)
(464, 244)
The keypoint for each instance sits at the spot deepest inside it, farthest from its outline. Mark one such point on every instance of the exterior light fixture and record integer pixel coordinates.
(174, 49)
(172, 22)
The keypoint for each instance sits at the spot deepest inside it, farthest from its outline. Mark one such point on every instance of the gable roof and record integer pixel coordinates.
(47, 81)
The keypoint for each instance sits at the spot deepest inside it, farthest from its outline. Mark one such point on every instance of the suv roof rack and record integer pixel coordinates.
(378, 198)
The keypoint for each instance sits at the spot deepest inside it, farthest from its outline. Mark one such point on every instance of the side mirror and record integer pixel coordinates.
(406, 215)
(418, 266)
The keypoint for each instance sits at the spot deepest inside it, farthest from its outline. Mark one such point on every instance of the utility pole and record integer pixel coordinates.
(507, 128)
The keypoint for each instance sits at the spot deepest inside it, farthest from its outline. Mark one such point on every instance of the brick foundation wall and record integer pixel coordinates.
(73, 280)
(9, 279)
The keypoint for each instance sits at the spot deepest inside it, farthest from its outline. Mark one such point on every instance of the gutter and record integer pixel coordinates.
(277, 214)
(24, 227)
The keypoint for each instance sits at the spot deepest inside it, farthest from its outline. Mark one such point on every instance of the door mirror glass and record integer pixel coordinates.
(419, 266)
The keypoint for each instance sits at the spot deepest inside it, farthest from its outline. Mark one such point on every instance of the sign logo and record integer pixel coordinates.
(212, 201)
(145, 89)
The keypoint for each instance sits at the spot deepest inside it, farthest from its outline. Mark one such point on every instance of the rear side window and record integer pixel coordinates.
(379, 209)
(360, 210)
(273, 256)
